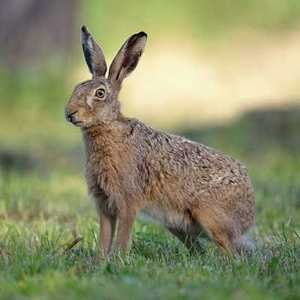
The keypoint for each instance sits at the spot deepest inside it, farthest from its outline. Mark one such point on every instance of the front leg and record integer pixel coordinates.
(107, 232)
(126, 218)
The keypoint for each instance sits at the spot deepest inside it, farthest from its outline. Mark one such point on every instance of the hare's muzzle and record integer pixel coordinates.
(70, 117)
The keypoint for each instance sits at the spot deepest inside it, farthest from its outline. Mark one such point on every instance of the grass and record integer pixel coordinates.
(44, 207)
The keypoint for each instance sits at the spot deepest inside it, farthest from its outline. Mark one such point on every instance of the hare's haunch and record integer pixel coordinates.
(190, 188)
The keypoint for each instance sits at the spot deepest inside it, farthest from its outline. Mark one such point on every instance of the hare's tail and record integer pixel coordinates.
(245, 244)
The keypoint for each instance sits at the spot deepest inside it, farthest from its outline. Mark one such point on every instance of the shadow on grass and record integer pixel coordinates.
(254, 132)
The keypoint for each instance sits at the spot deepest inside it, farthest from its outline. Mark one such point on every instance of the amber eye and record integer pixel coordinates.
(100, 93)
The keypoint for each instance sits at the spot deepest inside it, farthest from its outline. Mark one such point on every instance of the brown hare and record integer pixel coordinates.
(131, 168)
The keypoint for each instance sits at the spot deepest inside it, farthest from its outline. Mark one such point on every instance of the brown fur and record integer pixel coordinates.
(132, 168)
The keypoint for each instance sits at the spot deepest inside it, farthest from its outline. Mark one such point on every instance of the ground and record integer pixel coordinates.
(43, 207)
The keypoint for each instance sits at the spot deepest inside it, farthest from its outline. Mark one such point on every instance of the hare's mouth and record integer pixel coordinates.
(76, 123)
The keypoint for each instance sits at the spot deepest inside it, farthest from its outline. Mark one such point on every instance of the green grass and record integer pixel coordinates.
(43, 208)
(43, 205)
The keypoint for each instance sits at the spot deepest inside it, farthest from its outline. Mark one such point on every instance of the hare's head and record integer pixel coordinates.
(96, 101)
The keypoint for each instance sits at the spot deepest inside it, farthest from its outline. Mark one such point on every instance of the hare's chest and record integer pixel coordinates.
(104, 177)
(100, 193)
(101, 175)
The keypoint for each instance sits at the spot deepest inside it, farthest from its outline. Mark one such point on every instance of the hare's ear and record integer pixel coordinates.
(93, 54)
(127, 58)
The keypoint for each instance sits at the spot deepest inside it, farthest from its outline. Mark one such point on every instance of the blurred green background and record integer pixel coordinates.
(225, 73)
(207, 63)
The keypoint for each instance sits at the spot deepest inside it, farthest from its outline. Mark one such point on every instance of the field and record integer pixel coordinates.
(44, 207)
(43, 200)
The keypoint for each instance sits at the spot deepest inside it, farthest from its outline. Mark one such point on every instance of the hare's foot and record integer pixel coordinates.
(219, 229)
(107, 232)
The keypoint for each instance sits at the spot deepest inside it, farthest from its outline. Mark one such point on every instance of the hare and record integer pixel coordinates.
(131, 168)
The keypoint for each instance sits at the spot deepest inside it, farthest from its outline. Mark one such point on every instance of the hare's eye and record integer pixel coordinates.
(100, 93)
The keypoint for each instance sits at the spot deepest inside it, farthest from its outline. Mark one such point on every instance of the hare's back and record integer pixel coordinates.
(179, 156)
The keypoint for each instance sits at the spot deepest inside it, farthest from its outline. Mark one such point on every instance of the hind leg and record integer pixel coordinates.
(189, 240)
(219, 228)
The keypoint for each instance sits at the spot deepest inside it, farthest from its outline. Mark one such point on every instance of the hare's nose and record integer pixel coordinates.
(69, 116)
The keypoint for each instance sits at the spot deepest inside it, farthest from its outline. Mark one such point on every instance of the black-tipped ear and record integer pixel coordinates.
(128, 57)
(93, 54)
